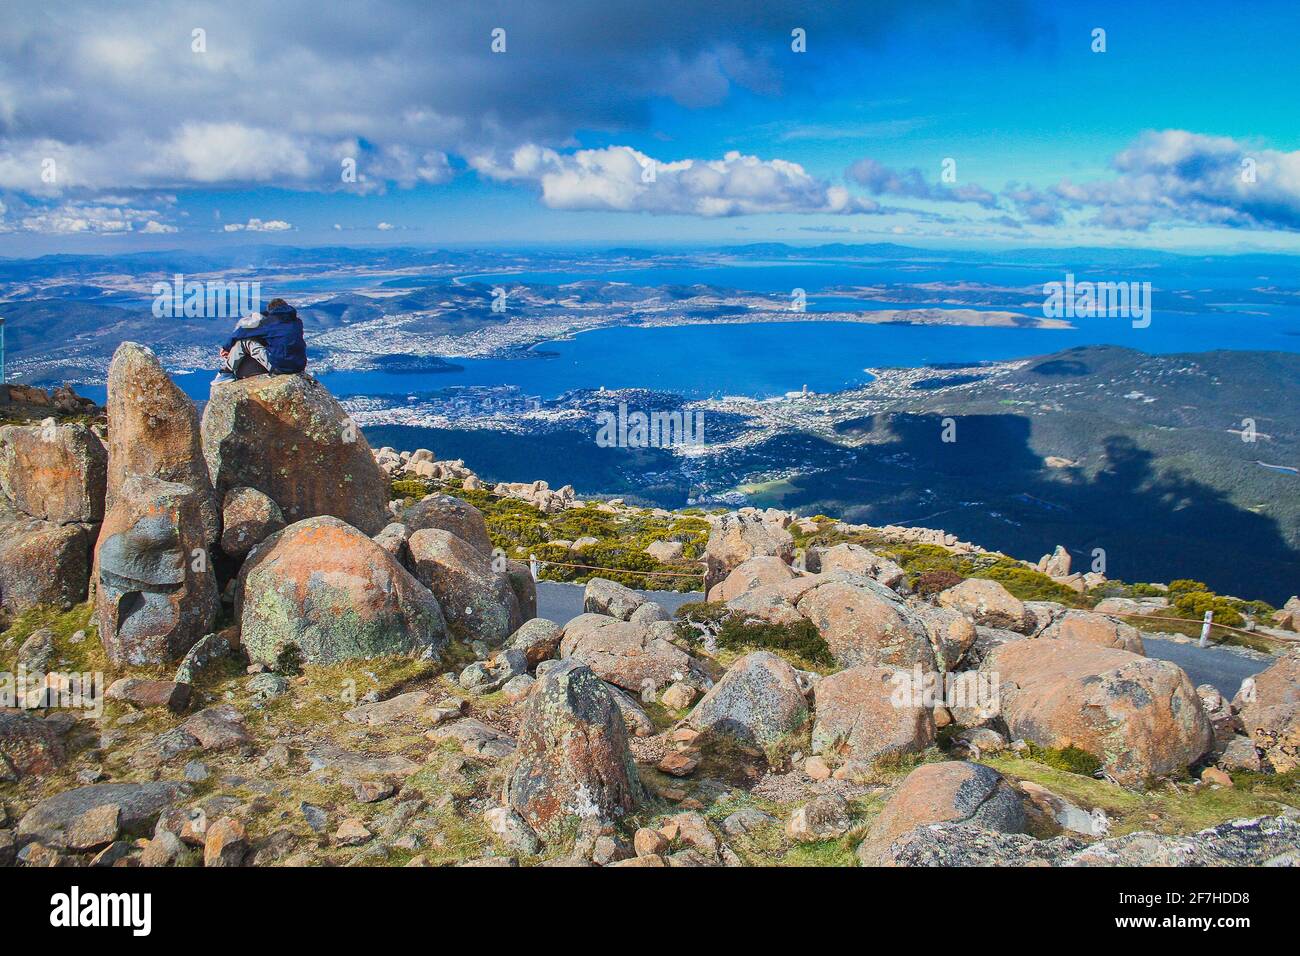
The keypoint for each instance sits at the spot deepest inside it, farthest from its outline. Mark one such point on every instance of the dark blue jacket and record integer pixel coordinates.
(282, 333)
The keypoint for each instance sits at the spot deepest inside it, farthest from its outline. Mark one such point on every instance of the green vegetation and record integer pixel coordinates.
(801, 644)
(1067, 759)
(521, 529)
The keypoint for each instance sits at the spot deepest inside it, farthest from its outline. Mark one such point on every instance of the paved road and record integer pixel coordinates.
(559, 602)
(1206, 665)
(1210, 665)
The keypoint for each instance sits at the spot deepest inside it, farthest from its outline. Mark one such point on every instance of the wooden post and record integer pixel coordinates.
(1205, 629)
(532, 566)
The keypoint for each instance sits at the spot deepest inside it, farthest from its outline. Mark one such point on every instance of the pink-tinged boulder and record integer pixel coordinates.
(248, 518)
(855, 559)
(156, 593)
(56, 473)
(1141, 717)
(153, 432)
(625, 653)
(864, 712)
(750, 575)
(989, 604)
(1269, 708)
(736, 538)
(447, 513)
(1095, 629)
(286, 436)
(951, 792)
(866, 623)
(324, 590)
(525, 588)
(42, 563)
(572, 761)
(478, 602)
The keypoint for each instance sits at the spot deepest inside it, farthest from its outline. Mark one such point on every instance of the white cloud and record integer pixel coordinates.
(257, 225)
(96, 218)
(384, 226)
(622, 179)
(1176, 176)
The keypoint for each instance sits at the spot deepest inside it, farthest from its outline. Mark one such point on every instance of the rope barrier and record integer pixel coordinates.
(1184, 620)
(590, 567)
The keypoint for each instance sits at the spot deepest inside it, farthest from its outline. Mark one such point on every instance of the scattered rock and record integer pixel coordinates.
(824, 818)
(626, 654)
(573, 758)
(226, 843)
(867, 623)
(139, 805)
(150, 693)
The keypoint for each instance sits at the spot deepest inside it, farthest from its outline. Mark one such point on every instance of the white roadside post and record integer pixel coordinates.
(1205, 629)
(532, 566)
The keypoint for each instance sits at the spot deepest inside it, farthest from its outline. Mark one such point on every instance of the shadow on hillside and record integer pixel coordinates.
(991, 487)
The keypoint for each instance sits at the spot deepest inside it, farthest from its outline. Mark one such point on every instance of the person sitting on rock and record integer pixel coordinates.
(264, 343)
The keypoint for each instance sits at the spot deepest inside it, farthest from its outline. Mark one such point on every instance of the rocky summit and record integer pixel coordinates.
(251, 640)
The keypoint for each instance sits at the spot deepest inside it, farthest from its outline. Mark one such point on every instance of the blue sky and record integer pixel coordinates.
(160, 138)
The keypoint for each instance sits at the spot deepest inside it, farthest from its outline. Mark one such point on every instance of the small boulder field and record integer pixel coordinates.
(246, 638)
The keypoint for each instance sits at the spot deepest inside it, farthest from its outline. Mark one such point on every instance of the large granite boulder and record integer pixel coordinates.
(950, 792)
(156, 592)
(866, 623)
(572, 759)
(860, 716)
(478, 602)
(447, 513)
(1269, 707)
(153, 432)
(43, 563)
(757, 707)
(1096, 629)
(757, 572)
(989, 604)
(525, 588)
(1141, 717)
(286, 436)
(56, 473)
(323, 588)
(738, 537)
(627, 653)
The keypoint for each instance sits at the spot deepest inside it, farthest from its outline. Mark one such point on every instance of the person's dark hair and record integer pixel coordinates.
(279, 306)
